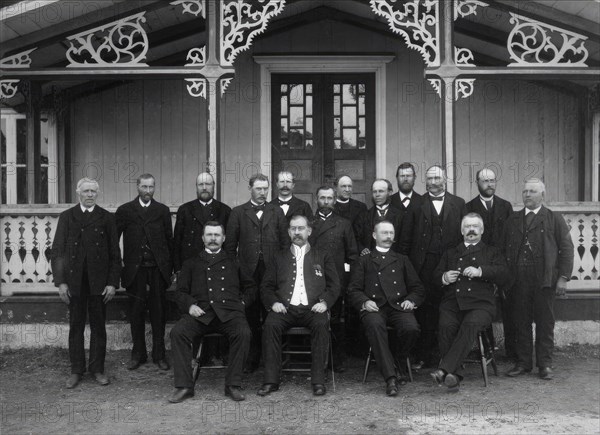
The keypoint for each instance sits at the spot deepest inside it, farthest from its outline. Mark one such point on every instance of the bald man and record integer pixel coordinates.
(346, 206)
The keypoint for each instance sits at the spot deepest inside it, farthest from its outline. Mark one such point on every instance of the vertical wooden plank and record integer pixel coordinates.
(549, 145)
(193, 142)
(108, 137)
(569, 147)
(505, 184)
(526, 133)
(123, 97)
(92, 166)
(153, 108)
(398, 147)
(134, 165)
(172, 147)
(493, 147)
(464, 145)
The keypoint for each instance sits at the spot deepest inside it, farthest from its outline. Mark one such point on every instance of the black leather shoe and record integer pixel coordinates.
(319, 389)
(234, 392)
(451, 381)
(438, 376)
(101, 378)
(73, 380)
(162, 364)
(391, 388)
(517, 371)
(267, 389)
(546, 373)
(180, 394)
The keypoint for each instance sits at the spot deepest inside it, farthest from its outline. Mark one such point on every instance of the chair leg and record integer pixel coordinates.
(196, 371)
(332, 371)
(483, 360)
(367, 364)
(410, 376)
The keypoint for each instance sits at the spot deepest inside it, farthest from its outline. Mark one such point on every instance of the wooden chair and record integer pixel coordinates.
(485, 356)
(196, 360)
(371, 358)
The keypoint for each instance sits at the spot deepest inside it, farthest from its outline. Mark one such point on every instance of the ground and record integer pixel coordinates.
(34, 400)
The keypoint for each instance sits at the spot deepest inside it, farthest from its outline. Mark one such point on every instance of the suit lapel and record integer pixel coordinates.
(448, 204)
(197, 210)
(267, 214)
(252, 214)
(94, 217)
(326, 224)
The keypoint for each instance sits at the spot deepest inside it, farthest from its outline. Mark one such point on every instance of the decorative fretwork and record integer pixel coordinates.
(436, 84)
(417, 22)
(225, 83)
(194, 7)
(196, 57)
(463, 88)
(534, 43)
(8, 88)
(464, 8)
(584, 233)
(122, 43)
(241, 21)
(196, 87)
(463, 57)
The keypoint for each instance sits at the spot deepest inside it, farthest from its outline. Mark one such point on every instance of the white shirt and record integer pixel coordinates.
(83, 209)
(260, 212)
(402, 196)
(144, 204)
(382, 250)
(534, 211)
(205, 203)
(438, 204)
(210, 252)
(382, 209)
(299, 296)
(342, 201)
(284, 207)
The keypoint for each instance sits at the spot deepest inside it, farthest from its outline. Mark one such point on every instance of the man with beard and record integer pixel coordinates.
(406, 198)
(468, 274)
(300, 285)
(382, 211)
(345, 205)
(147, 245)
(256, 231)
(333, 233)
(427, 232)
(290, 205)
(494, 211)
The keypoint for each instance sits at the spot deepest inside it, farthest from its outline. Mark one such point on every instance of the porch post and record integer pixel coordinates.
(33, 171)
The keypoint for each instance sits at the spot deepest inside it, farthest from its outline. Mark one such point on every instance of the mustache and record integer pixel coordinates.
(471, 233)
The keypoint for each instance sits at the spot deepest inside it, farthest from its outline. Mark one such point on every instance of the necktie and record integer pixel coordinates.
(406, 201)
(382, 211)
(258, 208)
(529, 219)
(281, 202)
(436, 198)
(488, 204)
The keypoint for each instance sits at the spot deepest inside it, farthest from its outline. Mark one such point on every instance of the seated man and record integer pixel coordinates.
(469, 274)
(385, 288)
(298, 288)
(212, 292)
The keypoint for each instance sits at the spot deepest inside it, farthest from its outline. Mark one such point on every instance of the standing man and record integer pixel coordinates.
(193, 215)
(385, 288)
(211, 292)
(345, 205)
(256, 231)
(290, 205)
(382, 210)
(427, 232)
(147, 245)
(406, 198)
(86, 263)
(468, 274)
(539, 252)
(300, 285)
(333, 233)
(494, 211)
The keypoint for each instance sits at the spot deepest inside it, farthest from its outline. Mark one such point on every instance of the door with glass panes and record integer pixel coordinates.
(323, 127)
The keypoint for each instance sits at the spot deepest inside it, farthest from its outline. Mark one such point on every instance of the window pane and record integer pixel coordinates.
(21, 141)
(336, 127)
(297, 94)
(361, 88)
(3, 145)
(361, 104)
(362, 144)
(44, 192)
(21, 185)
(337, 144)
(44, 144)
(297, 138)
(362, 130)
(284, 105)
(336, 105)
(309, 106)
(309, 128)
(284, 129)
(309, 89)
(284, 89)
(349, 94)
(336, 89)
(349, 141)
(349, 116)
(296, 116)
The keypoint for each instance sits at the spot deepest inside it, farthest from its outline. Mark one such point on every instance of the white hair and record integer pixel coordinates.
(536, 181)
(86, 180)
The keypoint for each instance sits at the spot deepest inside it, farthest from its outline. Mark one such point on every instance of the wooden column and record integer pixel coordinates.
(34, 178)
(447, 91)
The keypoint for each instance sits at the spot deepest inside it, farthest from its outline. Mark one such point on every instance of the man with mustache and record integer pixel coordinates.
(147, 245)
(256, 231)
(212, 292)
(539, 252)
(346, 206)
(469, 274)
(290, 205)
(300, 285)
(406, 198)
(494, 211)
(427, 232)
(385, 288)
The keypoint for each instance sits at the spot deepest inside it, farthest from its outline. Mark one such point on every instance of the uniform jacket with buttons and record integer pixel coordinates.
(493, 221)
(92, 242)
(384, 278)
(216, 284)
(473, 293)
(189, 226)
(135, 223)
(296, 207)
(244, 234)
(550, 240)
(320, 278)
(365, 223)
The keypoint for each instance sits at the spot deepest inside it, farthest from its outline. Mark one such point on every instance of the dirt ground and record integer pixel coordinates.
(34, 400)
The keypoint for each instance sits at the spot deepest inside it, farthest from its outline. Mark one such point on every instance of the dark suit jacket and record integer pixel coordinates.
(155, 224)
(216, 284)
(365, 223)
(493, 221)
(473, 293)
(244, 235)
(297, 206)
(417, 228)
(384, 278)
(551, 242)
(351, 210)
(415, 201)
(335, 236)
(320, 278)
(93, 243)
(189, 226)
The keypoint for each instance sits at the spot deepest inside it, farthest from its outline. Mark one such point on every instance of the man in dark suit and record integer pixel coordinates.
(427, 232)
(147, 245)
(86, 264)
(469, 274)
(256, 231)
(290, 205)
(539, 252)
(382, 210)
(300, 285)
(345, 205)
(211, 293)
(333, 233)
(494, 211)
(406, 198)
(191, 218)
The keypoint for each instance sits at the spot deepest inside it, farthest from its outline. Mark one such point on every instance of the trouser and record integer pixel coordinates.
(508, 325)
(147, 291)
(338, 323)
(276, 324)
(255, 314)
(457, 332)
(428, 313)
(188, 329)
(406, 328)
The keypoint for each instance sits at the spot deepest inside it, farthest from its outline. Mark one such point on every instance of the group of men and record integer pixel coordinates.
(426, 269)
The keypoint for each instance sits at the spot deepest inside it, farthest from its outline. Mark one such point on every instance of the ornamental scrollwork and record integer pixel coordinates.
(196, 87)
(194, 7)
(122, 43)
(464, 8)
(463, 88)
(436, 84)
(417, 22)
(241, 21)
(463, 57)
(534, 43)
(8, 88)
(196, 57)
(224, 84)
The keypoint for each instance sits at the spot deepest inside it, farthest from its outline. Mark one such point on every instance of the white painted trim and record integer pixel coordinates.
(324, 65)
